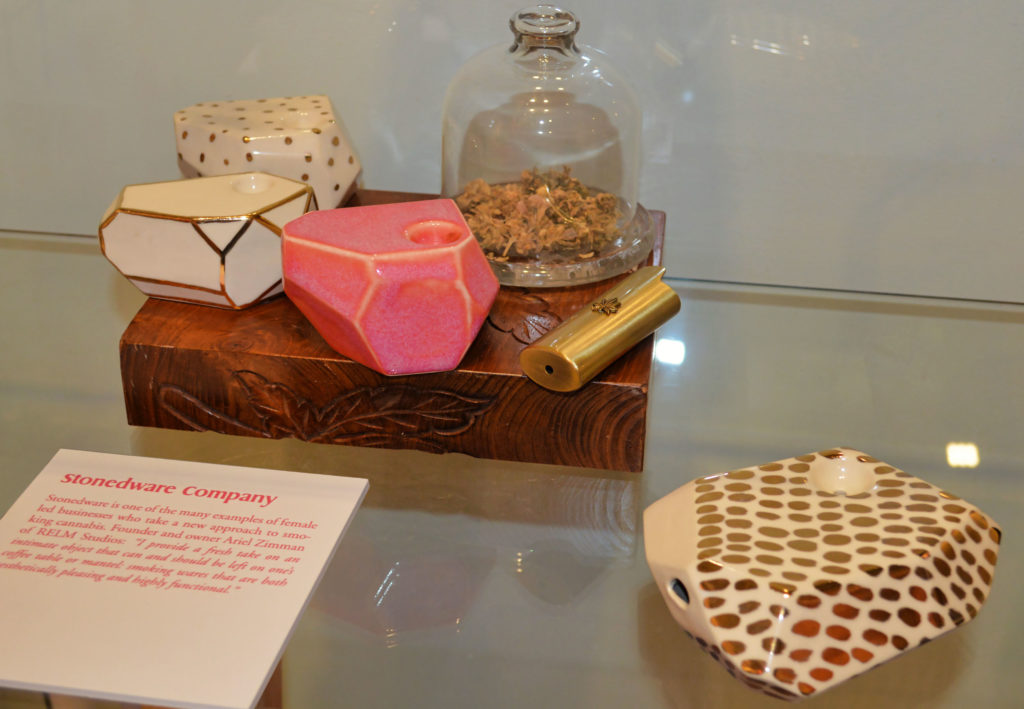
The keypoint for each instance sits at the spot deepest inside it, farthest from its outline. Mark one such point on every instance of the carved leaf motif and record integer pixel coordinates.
(367, 416)
(524, 315)
(198, 415)
(280, 411)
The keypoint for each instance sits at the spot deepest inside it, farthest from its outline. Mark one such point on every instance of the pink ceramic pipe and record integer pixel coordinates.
(401, 288)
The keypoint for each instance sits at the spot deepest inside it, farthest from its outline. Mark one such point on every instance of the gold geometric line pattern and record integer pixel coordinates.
(195, 223)
(224, 288)
(220, 217)
(265, 293)
(222, 291)
(191, 301)
(209, 241)
(269, 225)
(109, 217)
(270, 207)
(172, 284)
(275, 228)
(234, 240)
(196, 301)
(161, 215)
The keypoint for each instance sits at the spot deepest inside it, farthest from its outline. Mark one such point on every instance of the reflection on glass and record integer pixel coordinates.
(766, 46)
(670, 351)
(392, 583)
(555, 572)
(431, 535)
(962, 455)
(667, 53)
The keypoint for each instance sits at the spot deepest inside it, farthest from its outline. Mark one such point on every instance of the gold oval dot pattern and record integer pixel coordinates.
(849, 581)
(296, 137)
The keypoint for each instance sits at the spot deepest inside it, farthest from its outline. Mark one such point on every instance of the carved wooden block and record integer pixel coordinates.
(266, 372)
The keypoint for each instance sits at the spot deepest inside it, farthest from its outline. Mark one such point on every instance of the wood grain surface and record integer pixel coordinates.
(265, 371)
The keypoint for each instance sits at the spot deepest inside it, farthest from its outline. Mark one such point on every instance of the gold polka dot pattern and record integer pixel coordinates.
(297, 137)
(808, 571)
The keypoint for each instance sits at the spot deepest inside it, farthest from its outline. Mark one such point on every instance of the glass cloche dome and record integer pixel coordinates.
(541, 149)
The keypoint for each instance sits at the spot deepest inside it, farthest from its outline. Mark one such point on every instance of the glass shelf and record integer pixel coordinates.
(466, 582)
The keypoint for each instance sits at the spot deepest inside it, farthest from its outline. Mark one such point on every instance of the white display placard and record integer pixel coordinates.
(160, 581)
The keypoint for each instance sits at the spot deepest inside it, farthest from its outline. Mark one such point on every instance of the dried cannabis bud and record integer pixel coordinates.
(549, 213)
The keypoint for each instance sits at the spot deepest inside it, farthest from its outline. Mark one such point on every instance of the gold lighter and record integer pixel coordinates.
(573, 353)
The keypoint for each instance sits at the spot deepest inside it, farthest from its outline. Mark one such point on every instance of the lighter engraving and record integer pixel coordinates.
(608, 306)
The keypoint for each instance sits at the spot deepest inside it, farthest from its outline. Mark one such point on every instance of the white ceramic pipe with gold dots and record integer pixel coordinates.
(576, 351)
(298, 137)
(802, 573)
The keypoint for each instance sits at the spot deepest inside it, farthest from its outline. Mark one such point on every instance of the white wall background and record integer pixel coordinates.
(861, 145)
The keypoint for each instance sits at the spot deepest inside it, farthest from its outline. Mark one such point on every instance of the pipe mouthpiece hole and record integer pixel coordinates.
(842, 474)
(433, 232)
(679, 589)
(252, 183)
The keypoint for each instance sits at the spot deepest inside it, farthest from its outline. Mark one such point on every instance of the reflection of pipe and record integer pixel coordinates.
(388, 586)
(594, 517)
(602, 506)
(385, 585)
(555, 573)
(557, 532)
